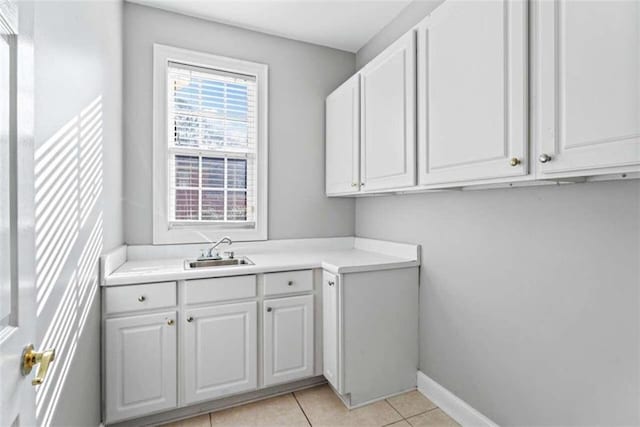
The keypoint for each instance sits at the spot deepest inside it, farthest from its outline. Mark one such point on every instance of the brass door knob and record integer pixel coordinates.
(170, 322)
(141, 298)
(269, 309)
(331, 283)
(30, 358)
(290, 283)
(514, 161)
(189, 319)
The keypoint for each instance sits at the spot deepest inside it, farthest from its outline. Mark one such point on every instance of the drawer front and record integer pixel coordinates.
(219, 289)
(119, 299)
(288, 282)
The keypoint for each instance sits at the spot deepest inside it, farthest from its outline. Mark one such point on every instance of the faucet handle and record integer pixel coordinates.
(229, 254)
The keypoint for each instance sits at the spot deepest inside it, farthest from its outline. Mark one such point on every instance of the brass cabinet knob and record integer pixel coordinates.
(30, 358)
(331, 283)
(514, 161)
(269, 309)
(141, 298)
(290, 283)
(170, 322)
(189, 319)
(544, 158)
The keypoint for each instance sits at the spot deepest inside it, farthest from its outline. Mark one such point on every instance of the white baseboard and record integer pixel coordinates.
(455, 407)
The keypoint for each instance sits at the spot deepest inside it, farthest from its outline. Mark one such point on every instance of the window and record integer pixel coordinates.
(209, 147)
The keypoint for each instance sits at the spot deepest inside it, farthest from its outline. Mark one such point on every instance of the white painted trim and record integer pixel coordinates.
(451, 404)
(162, 233)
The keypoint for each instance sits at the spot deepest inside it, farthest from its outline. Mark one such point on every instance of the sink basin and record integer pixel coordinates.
(211, 263)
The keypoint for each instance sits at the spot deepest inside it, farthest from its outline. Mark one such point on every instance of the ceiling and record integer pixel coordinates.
(341, 24)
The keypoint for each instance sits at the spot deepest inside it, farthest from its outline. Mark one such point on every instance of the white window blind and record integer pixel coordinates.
(212, 147)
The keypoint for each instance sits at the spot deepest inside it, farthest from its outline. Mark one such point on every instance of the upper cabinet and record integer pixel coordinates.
(388, 117)
(587, 69)
(343, 138)
(456, 87)
(472, 98)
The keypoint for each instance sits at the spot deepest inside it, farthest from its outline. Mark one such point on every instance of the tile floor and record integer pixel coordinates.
(319, 406)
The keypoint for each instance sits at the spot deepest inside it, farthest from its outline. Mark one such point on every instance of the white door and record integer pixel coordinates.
(141, 365)
(472, 102)
(17, 290)
(588, 76)
(330, 332)
(342, 130)
(388, 91)
(219, 351)
(288, 339)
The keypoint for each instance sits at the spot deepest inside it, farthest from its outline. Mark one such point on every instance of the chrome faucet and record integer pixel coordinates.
(212, 253)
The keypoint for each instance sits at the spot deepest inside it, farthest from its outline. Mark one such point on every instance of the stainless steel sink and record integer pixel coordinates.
(211, 263)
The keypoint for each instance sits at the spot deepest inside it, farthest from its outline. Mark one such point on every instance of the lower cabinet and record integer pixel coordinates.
(288, 339)
(330, 342)
(220, 354)
(149, 368)
(370, 336)
(169, 345)
(140, 365)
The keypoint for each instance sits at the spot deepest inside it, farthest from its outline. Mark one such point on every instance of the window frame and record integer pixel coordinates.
(163, 231)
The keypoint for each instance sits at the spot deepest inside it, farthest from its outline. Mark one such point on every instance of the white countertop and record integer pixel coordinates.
(336, 260)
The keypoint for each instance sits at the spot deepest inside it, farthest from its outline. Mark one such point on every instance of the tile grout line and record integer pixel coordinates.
(421, 413)
(301, 408)
(398, 412)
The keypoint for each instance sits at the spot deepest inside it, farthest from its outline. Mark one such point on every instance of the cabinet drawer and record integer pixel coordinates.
(288, 282)
(219, 289)
(119, 299)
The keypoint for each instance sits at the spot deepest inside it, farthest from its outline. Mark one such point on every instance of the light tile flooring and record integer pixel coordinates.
(319, 406)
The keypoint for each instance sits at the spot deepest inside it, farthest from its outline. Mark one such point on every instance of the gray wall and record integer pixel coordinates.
(529, 298)
(300, 77)
(78, 172)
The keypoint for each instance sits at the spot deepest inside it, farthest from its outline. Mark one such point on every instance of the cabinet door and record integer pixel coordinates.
(388, 117)
(288, 339)
(588, 75)
(472, 102)
(140, 365)
(219, 351)
(342, 161)
(330, 322)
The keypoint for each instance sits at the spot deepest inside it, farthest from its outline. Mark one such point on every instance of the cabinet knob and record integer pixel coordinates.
(544, 158)
(331, 283)
(170, 322)
(269, 309)
(514, 161)
(141, 298)
(290, 283)
(189, 319)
